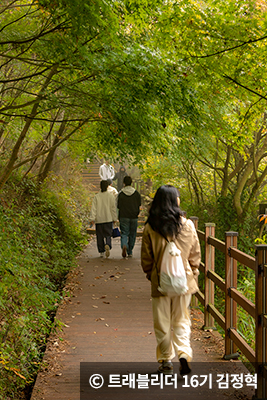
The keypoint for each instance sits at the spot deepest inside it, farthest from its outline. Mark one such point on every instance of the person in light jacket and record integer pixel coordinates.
(172, 322)
(106, 171)
(111, 189)
(103, 214)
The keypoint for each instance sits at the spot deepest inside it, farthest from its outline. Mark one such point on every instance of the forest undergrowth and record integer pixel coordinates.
(41, 233)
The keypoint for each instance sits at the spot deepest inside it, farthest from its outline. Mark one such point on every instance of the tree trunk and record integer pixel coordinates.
(46, 166)
(225, 182)
(14, 155)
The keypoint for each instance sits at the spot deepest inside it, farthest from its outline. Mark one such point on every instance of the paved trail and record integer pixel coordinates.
(107, 319)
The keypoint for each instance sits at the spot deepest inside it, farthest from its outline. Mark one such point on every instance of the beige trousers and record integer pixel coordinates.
(172, 325)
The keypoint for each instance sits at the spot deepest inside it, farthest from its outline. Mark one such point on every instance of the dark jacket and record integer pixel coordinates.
(120, 176)
(129, 202)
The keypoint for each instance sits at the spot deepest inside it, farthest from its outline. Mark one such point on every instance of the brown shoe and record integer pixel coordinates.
(124, 251)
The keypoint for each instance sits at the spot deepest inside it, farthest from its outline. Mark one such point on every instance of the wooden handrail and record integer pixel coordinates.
(219, 318)
(246, 304)
(218, 244)
(217, 280)
(201, 235)
(200, 297)
(258, 311)
(242, 345)
(243, 258)
(202, 267)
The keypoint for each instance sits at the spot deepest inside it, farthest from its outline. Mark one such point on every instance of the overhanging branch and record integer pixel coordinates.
(245, 87)
(232, 48)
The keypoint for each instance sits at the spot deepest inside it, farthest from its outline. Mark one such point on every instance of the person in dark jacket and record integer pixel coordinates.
(119, 176)
(129, 202)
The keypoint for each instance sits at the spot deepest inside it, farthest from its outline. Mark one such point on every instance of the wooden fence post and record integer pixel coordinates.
(195, 221)
(194, 300)
(209, 285)
(230, 304)
(261, 321)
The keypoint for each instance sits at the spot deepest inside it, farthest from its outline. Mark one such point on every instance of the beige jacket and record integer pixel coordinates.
(153, 245)
(103, 208)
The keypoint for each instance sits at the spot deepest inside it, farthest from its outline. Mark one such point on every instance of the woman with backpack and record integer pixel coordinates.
(172, 323)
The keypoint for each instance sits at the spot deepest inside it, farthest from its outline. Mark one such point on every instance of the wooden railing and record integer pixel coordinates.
(233, 297)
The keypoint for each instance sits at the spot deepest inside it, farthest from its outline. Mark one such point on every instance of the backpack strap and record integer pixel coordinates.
(156, 263)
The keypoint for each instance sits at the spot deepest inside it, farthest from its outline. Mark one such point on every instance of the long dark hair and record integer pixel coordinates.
(165, 214)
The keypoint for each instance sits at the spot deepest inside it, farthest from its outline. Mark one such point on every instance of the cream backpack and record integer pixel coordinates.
(172, 275)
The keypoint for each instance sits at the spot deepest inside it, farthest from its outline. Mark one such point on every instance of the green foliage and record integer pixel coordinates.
(262, 240)
(38, 248)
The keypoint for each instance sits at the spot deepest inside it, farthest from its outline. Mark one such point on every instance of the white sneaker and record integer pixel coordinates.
(107, 250)
(102, 255)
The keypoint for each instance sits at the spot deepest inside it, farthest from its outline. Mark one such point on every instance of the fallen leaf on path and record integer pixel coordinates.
(102, 297)
(106, 302)
(106, 324)
(95, 306)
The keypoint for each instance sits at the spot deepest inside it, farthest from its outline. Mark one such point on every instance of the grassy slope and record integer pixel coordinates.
(39, 241)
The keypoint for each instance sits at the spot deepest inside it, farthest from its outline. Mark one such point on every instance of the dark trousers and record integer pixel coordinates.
(103, 235)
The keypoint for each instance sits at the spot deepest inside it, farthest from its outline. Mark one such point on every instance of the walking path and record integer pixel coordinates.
(107, 319)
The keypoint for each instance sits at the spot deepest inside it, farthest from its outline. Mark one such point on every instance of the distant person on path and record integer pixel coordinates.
(172, 322)
(129, 202)
(103, 214)
(111, 189)
(119, 176)
(106, 171)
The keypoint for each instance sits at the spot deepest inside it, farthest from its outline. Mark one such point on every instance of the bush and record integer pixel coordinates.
(39, 243)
